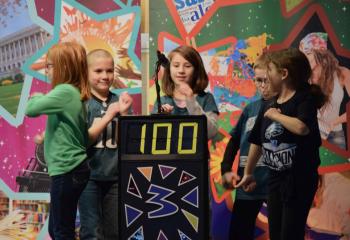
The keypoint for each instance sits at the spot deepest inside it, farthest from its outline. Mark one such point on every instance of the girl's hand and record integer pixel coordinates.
(167, 108)
(125, 101)
(248, 183)
(185, 90)
(230, 179)
(331, 126)
(271, 113)
(36, 94)
(39, 138)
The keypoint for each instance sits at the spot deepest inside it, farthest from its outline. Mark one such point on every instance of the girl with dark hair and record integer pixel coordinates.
(286, 134)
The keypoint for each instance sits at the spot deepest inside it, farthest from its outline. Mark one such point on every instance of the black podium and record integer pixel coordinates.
(163, 185)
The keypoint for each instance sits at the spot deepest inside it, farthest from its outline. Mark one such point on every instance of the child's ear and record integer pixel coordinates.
(284, 72)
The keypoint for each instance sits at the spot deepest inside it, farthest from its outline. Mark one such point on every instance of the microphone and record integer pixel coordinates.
(162, 59)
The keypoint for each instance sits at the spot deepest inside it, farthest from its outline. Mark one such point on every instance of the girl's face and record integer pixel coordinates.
(275, 77)
(316, 68)
(316, 74)
(49, 69)
(181, 70)
(311, 57)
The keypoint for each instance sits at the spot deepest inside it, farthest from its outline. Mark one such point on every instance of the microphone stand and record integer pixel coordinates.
(159, 104)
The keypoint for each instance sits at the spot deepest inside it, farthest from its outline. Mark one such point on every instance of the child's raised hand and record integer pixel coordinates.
(36, 94)
(112, 110)
(39, 138)
(125, 101)
(167, 108)
(185, 89)
(271, 113)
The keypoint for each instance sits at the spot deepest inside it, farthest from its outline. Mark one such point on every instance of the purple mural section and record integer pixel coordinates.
(17, 144)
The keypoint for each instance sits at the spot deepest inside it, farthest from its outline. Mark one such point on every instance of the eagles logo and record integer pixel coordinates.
(275, 129)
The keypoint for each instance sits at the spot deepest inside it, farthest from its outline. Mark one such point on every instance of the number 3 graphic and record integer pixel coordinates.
(166, 208)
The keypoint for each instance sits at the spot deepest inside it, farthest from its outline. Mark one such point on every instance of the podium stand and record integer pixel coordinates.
(163, 184)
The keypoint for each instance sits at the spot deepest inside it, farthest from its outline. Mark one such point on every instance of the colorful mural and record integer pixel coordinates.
(114, 26)
(229, 36)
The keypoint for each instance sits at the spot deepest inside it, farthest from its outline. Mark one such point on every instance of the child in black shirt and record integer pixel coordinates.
(286, 133)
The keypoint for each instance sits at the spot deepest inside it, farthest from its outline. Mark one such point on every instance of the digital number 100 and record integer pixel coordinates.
(168, 126)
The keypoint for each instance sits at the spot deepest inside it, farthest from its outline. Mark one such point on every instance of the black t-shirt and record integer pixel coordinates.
(286, 153)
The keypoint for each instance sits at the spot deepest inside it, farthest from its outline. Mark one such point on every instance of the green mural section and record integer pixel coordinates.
(246, 20)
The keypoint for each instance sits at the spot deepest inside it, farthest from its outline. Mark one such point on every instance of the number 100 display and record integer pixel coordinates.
(162, 138)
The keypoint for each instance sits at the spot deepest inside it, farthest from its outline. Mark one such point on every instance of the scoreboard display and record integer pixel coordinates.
(163, 184)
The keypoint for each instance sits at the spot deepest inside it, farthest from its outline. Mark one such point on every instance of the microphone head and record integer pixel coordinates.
(162, 59)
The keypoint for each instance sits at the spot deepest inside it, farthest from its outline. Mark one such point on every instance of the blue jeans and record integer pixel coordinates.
(65, 192)
(98, 207)
(337, 138)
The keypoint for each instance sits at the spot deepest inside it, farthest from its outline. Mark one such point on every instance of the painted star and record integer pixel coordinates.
(74, 21)
(57, 31)
(17, 119)
(317, 9)
(289, 8)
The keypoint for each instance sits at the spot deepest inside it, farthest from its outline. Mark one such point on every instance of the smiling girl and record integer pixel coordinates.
(184, 83)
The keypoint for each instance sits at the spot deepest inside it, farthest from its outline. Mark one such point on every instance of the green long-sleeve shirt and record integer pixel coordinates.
(66, 135)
